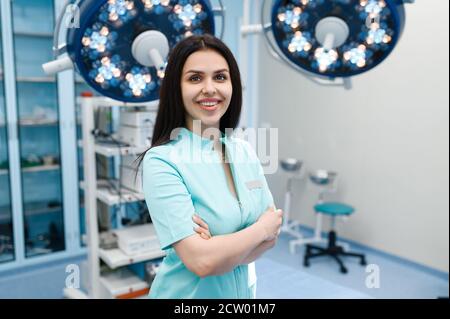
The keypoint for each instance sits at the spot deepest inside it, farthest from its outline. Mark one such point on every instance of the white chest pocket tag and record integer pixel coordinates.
(255, 184)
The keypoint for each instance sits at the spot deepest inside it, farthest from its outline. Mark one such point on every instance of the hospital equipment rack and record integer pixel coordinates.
(93, 191)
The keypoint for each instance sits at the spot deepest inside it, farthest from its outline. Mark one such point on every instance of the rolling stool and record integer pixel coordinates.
(333, 210)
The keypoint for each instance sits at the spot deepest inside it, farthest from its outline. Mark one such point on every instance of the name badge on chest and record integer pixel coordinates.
(254, 184)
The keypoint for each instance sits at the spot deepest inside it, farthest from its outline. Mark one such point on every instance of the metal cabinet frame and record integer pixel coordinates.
(68, 155)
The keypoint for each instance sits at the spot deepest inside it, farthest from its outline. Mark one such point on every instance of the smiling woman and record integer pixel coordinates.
(207, 92)
(212, 255)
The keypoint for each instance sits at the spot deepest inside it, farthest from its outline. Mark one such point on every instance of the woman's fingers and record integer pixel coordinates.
(202, 229)
(204, 233)
(204, 236)
(200, 222)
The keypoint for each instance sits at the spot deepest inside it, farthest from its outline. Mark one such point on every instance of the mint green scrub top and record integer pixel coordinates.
(186, 176)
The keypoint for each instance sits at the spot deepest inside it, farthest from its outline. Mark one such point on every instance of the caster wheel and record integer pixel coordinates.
(306, 263)
(363, 262)
(344, 270)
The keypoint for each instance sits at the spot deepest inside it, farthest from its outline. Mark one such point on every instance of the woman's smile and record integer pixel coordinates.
(210, 104)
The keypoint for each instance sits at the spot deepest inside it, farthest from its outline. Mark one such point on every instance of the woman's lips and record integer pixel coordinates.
(209, 104)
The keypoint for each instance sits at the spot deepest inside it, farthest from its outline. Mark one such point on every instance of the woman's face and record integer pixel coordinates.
(206, 88)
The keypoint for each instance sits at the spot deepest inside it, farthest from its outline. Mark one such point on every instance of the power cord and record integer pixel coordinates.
(118, 189)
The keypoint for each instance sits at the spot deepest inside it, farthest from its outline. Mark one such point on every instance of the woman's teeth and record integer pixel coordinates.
(209, 104)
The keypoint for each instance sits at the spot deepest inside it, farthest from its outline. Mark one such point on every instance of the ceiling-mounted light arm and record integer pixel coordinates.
(273, 50)
(220, 12)
(267, 27)
(58, 48)
(58, 65)
(252, 29)
(61, 63)
(246, 27)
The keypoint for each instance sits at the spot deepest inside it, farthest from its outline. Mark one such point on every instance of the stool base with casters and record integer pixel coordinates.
(334, 250)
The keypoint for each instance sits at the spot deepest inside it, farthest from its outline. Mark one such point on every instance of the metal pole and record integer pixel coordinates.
(90, 196)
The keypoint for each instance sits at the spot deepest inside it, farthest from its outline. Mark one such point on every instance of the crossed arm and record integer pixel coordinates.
(209, 256)
(259, 251)
(203, 231)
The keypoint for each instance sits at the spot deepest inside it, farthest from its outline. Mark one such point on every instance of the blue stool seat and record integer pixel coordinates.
(334, 209)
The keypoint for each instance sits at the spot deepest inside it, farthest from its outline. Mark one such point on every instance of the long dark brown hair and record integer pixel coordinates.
(171, 112)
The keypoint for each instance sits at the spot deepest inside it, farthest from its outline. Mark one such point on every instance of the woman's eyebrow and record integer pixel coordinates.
(201, 72)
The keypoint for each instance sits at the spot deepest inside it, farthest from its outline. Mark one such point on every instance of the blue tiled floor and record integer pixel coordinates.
(397, 279)
(277, 281)
(39, 283)
(280, 275)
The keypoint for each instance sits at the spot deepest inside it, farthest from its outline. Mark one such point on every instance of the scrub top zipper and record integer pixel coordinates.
(234, 182)
(237, 270)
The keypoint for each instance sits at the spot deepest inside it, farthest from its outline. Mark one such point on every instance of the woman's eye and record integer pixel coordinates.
(194, 78)
(218, 77)
(221, 77)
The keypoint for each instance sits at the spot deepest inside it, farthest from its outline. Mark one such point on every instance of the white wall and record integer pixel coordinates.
(387, 138)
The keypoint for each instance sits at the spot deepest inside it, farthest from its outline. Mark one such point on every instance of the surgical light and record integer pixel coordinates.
(120, 46)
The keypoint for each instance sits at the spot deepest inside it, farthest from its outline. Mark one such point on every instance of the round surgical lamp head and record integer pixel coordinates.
(339, 38)
(120, 46)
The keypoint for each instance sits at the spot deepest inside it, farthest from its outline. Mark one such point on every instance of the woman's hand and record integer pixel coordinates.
(271, 221)
(202, 229)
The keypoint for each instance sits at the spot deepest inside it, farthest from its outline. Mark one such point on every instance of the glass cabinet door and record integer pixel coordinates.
(6, 229)
(39, 134)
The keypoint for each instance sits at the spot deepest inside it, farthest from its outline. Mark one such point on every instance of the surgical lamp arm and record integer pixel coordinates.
(63, 63)
(220, 11)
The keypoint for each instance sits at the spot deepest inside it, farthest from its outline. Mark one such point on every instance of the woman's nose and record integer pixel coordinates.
(209, 88)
